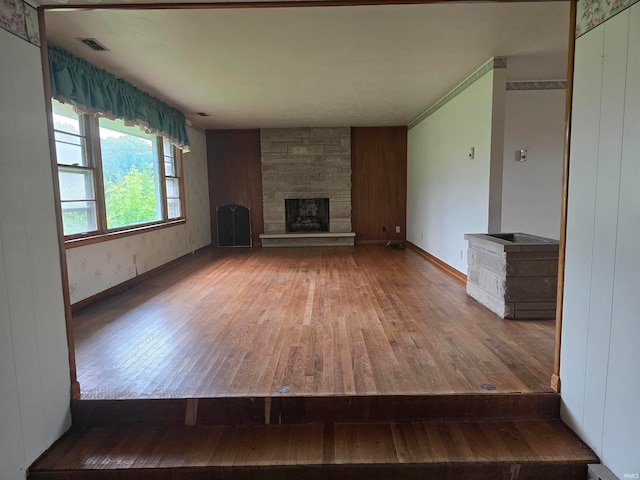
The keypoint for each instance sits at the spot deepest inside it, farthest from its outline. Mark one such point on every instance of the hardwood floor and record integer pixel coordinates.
(382, 354)
(319, 321)
(522, 450)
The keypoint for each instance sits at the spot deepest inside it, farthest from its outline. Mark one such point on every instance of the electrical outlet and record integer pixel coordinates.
(461, 254)
(522, 155)
(421, 236)
(397, 228)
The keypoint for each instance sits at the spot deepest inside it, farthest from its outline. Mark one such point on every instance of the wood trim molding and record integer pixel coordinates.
(133, 281)
(64, 274)
(106, 237)
(262, 4)
(555, 378)
(435, 260)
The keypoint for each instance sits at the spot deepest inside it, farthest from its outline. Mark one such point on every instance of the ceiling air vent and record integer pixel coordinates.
(93, 44)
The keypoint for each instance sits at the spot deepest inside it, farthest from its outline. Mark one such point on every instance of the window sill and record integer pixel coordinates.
(105, 237)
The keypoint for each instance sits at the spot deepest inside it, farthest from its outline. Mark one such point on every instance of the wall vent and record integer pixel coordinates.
(93, 44)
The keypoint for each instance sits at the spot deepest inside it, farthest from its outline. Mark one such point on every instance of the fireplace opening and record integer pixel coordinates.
(307, 214)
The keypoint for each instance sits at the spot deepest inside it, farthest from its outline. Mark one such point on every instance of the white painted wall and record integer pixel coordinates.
(97, 267)
(498, 103)
(601, 326)
(448, 194)
(532, 190)
(34, 366)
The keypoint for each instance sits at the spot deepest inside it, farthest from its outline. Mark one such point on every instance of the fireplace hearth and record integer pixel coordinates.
(307, 215)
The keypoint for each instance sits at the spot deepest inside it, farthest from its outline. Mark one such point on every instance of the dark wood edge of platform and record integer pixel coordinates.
(369, 471)
(296, 410)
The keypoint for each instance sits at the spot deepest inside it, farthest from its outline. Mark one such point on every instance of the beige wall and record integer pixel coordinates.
(449, 194)
(532, 190)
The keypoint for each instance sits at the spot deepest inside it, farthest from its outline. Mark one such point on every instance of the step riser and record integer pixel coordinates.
(295, 410)
(487, 471)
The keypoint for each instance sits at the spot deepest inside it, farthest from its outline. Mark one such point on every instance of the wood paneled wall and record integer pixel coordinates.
(235, 175)
(379, 179)
(379, 183)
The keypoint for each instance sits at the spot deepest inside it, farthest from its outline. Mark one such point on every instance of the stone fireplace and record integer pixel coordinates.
(307, 214)
(306, 165)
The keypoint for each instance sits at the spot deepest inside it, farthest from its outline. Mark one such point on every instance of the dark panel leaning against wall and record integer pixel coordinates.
(235, 175)
(379, 183)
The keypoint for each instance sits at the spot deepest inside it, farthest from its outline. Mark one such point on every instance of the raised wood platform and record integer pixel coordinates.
(321, 321)
(383, 355)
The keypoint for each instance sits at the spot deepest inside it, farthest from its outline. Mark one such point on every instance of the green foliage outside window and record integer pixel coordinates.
(131, 189)
(132, 199)
(120, 154)
(75, 221)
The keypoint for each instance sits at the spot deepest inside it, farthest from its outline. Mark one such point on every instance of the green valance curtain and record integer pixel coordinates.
(93, 90)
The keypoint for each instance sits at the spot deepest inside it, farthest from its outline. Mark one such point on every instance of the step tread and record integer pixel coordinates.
(393, 443)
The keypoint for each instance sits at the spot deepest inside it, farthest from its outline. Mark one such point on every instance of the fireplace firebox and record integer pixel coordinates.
(307, 214)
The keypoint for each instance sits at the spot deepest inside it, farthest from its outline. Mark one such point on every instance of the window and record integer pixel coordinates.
(75, 172)
(172, 178)
(113, 176)
(130, 174)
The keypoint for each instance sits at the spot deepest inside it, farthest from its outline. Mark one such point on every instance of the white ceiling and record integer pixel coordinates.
(315, 66)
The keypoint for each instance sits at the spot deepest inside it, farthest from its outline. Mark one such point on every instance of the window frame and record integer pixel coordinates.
(93, 153)
(89, 166)
(178, 176)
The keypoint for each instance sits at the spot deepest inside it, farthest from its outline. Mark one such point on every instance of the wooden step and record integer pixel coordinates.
(507, 449)
(297, 409)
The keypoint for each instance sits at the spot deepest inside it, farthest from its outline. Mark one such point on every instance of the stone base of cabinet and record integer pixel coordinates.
(514, 275)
